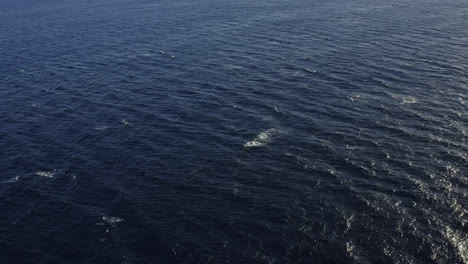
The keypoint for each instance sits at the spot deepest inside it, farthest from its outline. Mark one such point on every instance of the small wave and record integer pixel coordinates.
(311, 71)
(14, 179)
(261, 139)
(350, 249)
(409, 100)
(47, 174)
(101, 128)
(355, 97)
(112, 220)
(298, 74)
(349, 221)
(403, 98)
(234, 67)
(459, 241)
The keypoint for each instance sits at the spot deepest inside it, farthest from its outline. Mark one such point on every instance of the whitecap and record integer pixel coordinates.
(355, 97)
(349, 221)
(14, 179)
(124, 122)
(112, 220)
(459, 241)
(254, 143)
(409, 100)
(349, 247)
(47, 174)
(261, 139)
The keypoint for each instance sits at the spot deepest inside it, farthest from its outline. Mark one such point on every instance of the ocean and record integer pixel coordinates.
(209, 131)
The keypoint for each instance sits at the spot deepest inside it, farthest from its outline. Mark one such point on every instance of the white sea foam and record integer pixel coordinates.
(459, 241)
(274, 107)
(349, 247)
(349, 221)
(409, 100)
(403, 98)
(124, 122)
(47, 174)
(101, 128)
(14, 179)
(112, 220)
(355, 97)
(262, 138)
(298, 74)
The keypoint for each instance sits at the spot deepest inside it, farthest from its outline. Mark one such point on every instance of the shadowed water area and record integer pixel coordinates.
(209, 131)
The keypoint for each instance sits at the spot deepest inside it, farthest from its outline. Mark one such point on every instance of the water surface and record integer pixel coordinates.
(257, 131)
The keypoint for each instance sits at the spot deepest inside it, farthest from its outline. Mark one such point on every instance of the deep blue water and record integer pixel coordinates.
(250, 131)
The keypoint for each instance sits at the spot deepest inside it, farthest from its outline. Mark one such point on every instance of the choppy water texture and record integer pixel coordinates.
(212, 131)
